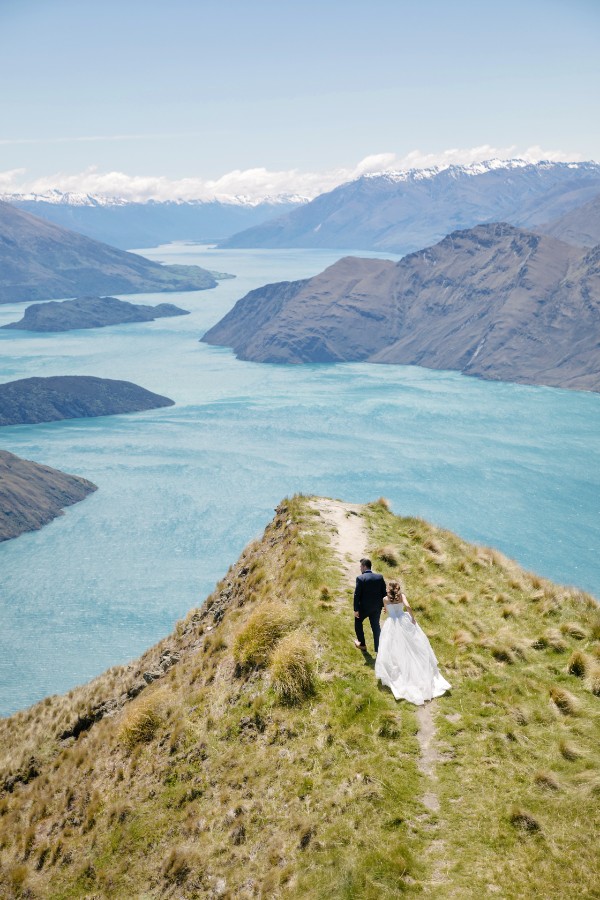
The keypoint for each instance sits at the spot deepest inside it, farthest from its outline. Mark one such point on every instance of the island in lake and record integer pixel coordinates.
(89, 312)
(31, 495)
(32, 400)
(493, 301)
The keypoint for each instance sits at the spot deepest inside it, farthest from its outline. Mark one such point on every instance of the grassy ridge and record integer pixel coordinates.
(519, 777)
(211, 776)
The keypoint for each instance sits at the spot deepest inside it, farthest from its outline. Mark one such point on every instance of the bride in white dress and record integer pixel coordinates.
(405, 661)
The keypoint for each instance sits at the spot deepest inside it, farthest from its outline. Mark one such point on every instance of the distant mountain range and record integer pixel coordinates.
(31, 495)
(401, 212)
(127, 225)
(494, 301)
(41, 261)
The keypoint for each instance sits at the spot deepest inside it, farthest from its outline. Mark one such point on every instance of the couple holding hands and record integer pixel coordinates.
(405, 661)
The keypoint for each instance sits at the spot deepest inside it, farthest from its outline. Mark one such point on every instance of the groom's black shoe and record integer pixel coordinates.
(360, 646)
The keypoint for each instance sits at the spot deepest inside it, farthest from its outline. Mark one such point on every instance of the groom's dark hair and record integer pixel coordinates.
(365, 562)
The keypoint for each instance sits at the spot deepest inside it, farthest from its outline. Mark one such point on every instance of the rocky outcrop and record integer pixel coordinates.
(90, 312)
(41, 261)
(493, 301)
(31, 400)
(31, 495)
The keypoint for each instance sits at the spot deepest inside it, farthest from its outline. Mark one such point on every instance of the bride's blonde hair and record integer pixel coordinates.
(394, 592)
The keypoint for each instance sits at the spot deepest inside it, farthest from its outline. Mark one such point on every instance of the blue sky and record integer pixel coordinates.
(165, 92)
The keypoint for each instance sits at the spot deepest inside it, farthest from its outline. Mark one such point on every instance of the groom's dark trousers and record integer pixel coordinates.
(368, 602)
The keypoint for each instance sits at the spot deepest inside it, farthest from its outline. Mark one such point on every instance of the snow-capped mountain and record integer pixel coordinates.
(126, 224)
(401, 212)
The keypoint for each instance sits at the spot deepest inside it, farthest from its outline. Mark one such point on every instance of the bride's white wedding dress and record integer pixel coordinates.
(405, 661)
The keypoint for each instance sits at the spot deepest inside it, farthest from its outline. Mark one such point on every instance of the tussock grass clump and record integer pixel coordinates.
(293, 668)
(547, 780)
(569, 750)
(388, 726)
(143, 719)
(388, 555)
(524, 820)
(592, 681)
(256, 641)
(566, 702)
(578, 664)
(463, 638)
(551, 640)
(383, 502)
(179, 865)
(574, 630)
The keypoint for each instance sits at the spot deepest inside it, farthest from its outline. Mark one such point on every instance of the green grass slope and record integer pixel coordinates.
(251, 754)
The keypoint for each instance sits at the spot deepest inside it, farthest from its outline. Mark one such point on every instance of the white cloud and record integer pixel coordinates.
(258, 183)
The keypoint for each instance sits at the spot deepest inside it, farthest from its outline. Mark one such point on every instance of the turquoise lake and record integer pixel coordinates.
(182, 490)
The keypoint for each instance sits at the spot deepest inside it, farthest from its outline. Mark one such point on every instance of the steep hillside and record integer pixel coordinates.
(40, 261)
(251, 754)
(493, 301)
(399, 212)
(580, 226)
(31, 400)
(31, 495)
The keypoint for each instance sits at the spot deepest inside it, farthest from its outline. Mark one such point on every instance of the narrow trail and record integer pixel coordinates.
(349, 539)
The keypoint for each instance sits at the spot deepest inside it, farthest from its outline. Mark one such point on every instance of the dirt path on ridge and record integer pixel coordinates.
(349, 539)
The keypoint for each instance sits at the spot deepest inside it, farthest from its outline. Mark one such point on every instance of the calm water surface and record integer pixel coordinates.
(182, 490)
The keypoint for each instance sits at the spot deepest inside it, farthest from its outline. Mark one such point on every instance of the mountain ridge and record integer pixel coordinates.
(186, 774)
(493, 301)
(404, 212)
(42, 261)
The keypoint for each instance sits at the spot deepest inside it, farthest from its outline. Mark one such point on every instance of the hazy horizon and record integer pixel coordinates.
(198, 101)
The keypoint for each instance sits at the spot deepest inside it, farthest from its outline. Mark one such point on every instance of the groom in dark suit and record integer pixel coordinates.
(368, 602)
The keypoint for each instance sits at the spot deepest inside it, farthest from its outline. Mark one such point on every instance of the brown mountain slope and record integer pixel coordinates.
(40, 261)
(31, 495)
(494, 301)
(187, 774)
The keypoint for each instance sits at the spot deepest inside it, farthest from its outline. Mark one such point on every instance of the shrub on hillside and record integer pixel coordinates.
(293, 668)
(256, 640)
(142, 720)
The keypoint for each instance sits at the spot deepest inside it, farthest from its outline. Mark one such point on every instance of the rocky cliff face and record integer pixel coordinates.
(31, 495)
(493, 301)
(403, 212)
(31, 400)
(89, 312)
(40, 261)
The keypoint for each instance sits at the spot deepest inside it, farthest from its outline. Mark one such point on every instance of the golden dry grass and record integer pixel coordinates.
(256, 640)
(236, 794)
(293, 668)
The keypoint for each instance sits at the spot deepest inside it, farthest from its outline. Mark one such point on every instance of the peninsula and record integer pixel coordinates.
(32, 400)
(31, 495)
(493, 301)
(89, 312)
(42, 261)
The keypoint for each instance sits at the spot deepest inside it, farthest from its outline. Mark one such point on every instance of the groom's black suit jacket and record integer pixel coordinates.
(369, 592)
